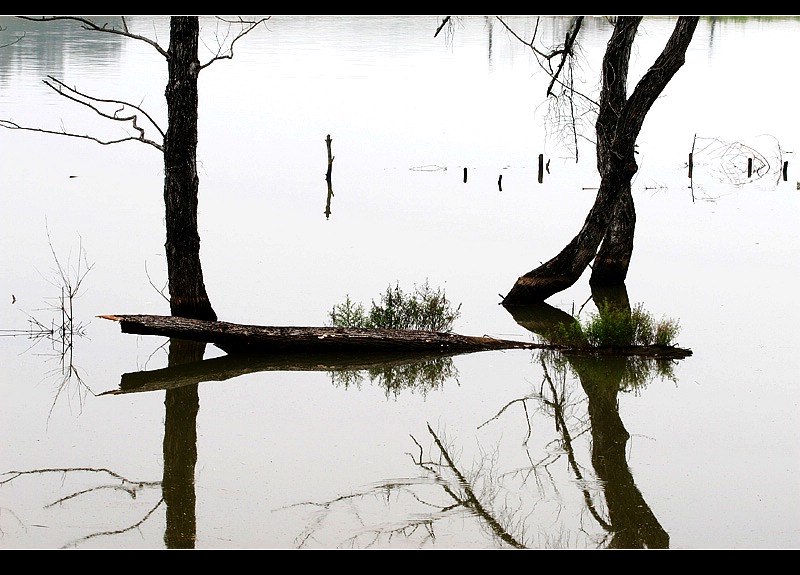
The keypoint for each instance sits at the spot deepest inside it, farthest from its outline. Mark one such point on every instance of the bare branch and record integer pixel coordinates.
(246, 27)
(159, 290)
(569, 41)
(89, 25)
(60, 88)
(13, 126)
(565, 52)
(445, 20)
(92, 103)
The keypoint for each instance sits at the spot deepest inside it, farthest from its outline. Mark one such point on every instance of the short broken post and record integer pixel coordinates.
(541, 168)
(328, 178)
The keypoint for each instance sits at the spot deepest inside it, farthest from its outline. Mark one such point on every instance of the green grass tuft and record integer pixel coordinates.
(613, 326)
(425, 308)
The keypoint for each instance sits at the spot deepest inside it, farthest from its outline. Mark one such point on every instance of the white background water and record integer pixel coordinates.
(714, 453)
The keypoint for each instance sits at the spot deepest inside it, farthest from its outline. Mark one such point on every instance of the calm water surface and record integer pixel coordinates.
(541, 452)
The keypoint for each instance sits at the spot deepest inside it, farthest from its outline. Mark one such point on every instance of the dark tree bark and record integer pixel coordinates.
(612, 218)
(234, 338)
(188, 297)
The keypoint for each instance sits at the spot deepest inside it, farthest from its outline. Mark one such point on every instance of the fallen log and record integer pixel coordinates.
(236, 338)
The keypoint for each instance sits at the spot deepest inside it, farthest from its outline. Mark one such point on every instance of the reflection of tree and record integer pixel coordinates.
(63, 327)
(497, 500)
(394, 371)
(465, 494)
(180, 450)
(180, 457)
(631, 522)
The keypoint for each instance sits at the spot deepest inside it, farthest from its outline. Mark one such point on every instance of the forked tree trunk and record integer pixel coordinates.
(612, 261)
(188, 297)
(611, 220)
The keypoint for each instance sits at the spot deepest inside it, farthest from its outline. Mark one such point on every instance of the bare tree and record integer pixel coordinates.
(178, 142)
(610, 223)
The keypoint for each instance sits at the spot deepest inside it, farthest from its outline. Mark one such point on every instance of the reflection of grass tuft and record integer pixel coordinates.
(624, 373)
(422, 376)
(423, 309)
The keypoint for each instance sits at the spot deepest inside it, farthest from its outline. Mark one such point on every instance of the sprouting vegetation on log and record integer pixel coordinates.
(425, 309)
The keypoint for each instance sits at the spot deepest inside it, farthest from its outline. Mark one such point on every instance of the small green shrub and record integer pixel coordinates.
(425, 309)
(347, 314)
(616, 327)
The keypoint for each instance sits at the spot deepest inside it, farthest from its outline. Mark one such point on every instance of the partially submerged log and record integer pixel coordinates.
(236, 338)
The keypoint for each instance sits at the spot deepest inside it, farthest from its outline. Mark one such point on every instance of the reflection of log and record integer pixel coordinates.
(239, 338)
(231, 366)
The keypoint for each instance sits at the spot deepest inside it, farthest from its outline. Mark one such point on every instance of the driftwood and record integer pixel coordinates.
(234, 338)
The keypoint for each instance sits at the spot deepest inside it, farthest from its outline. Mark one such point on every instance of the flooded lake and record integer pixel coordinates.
(109, 445)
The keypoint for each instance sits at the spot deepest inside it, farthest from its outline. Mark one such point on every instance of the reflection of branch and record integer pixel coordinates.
(471, 501)
(15, 474)
(116, 531)
(126, 485)
(460, 494)
(509, 404)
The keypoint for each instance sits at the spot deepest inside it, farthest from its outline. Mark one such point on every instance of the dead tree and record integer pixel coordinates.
(178, 142)
(612, 219)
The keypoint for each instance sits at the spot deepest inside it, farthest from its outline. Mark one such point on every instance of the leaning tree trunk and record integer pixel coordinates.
(611, 264)
(612, 218)
(188, 297)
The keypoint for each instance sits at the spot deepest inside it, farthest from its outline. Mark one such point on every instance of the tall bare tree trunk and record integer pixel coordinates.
(187, 291)
(612, 219)
(188, 297)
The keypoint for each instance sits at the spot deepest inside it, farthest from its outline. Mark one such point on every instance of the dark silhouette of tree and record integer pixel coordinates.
(187, 292)
(610, 223)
